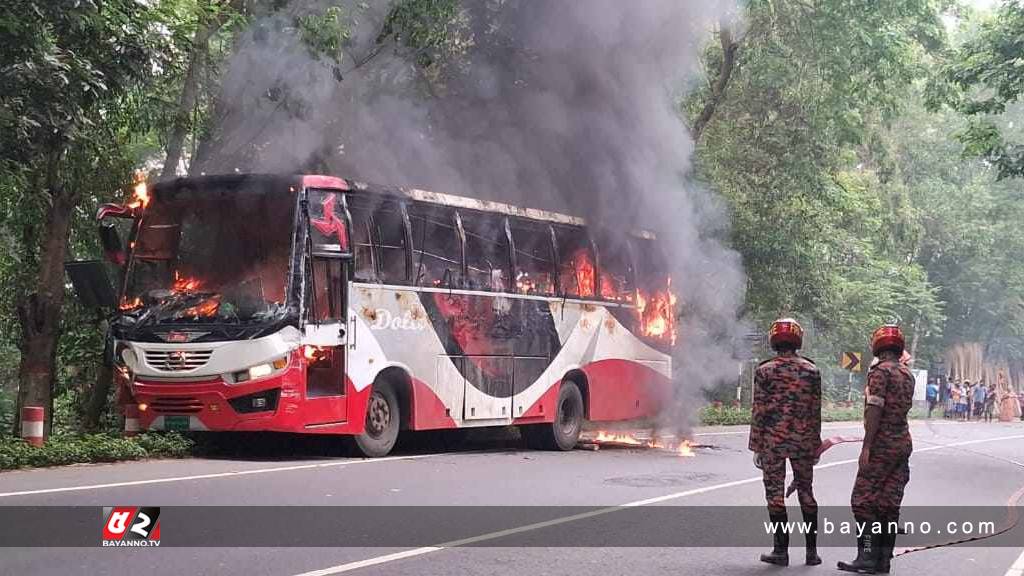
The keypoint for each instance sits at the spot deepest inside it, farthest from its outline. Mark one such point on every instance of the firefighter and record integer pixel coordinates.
(884, 465)
(786, 424)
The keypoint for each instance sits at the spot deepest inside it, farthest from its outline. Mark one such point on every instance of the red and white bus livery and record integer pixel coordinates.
(315, 304)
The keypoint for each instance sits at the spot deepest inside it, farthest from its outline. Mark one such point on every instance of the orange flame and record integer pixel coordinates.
(140, 197)
(132, 304)
(584, 274)
(204, 309)
(314, 354)
(657, 313)
(682, 448)
(529, 285)
(184, 284)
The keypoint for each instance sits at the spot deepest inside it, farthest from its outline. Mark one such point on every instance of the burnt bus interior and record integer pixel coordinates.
(400, 241)
(405, 242)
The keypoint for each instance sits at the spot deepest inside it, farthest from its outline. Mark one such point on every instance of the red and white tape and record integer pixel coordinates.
(825, 445)
(32, 419)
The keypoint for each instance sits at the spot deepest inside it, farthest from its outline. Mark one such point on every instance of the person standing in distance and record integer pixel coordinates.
(786, 425)
(884, 464)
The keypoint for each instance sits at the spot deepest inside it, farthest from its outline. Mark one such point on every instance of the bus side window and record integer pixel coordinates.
(487, 253)
(364, 257)
(535, 260)
(328, 283)
(651, 268)
(576, 262)
(437, 251)
(389, 236)
(616, 271)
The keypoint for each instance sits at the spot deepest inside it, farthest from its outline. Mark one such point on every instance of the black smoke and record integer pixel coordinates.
(561, 105)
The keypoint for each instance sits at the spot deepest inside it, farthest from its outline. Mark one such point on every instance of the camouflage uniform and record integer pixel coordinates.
(786, 424)
(878, 490)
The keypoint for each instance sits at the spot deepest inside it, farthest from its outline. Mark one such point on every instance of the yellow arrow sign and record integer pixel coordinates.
(850, 361)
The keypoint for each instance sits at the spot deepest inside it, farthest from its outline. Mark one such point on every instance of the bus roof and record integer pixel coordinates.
(456, 201)
(452, 200)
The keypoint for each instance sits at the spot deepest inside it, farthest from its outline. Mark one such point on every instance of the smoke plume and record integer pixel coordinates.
(568, 106)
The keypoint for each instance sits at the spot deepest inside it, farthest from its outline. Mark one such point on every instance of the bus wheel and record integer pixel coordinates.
(382, 421)
(564, 432)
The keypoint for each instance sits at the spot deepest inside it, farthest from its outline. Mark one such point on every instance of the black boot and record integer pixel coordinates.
(811, 520)
(867, 553)
(780, 551)
(888, 544)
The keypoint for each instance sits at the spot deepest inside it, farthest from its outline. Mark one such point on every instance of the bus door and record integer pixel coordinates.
(328, 262)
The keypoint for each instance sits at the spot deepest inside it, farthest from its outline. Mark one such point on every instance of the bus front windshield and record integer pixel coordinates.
(212, 254)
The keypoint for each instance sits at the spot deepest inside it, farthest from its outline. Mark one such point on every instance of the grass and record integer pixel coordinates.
(78, 449)
(723, 415)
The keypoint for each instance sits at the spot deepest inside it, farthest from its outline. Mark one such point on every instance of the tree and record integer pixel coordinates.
(982, 79)
(67, 69)
(787, 127)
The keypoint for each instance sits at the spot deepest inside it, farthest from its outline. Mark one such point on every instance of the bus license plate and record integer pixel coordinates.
(176, 423)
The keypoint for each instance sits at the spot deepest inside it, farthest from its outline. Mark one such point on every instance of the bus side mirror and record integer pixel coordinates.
(113, 247)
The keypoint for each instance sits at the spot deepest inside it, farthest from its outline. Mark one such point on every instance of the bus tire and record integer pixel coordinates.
(383, 417)
(564, 432)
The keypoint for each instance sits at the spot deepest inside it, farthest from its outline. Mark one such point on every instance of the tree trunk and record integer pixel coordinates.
(913, 340)
(100, 388)
(187, 99)
(729, 49)
(39, 312)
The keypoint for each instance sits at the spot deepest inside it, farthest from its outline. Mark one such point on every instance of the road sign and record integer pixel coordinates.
(850, 361)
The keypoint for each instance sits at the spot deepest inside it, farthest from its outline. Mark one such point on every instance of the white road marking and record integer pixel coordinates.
(747, 431)
(229, 474)
(850, 426)
(1018, 567)
(350, 566)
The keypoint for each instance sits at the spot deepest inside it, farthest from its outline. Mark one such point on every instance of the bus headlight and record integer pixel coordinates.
(260, 371)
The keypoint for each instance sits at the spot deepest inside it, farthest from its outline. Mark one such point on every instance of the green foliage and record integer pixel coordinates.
(436, 31)
(324, 34)
(981, 79)
(731, 415)
(62, 450)
(827, 233)
(7, 408)
(724, 415)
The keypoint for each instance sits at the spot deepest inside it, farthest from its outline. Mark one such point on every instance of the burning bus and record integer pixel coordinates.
(319, 305)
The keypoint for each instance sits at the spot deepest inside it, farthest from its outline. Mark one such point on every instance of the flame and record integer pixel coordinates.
(608, 287)
(132, 304)
(530, 285)
(314, 354)
(657, 313)
(184, 283)
(607, 437)
(584, 273)
(685, 449)
(682, 448)
(140, 197)
(204, 309)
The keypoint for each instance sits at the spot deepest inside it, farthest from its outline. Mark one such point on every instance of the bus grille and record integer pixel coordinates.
(176, 405)
(177, 360)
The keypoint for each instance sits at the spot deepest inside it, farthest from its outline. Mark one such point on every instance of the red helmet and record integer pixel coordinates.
(888, 337)
(786, 333)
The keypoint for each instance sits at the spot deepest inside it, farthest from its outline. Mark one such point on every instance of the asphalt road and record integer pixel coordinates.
(955, 464)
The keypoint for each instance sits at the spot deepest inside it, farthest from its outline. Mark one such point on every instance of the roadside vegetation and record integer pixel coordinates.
(65, 449)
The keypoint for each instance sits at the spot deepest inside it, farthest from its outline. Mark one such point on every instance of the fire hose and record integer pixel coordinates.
(1012, 515)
